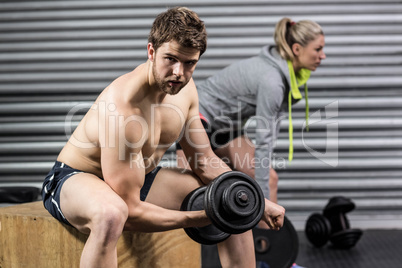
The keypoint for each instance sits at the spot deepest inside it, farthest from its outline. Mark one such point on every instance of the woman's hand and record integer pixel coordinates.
(273, 216)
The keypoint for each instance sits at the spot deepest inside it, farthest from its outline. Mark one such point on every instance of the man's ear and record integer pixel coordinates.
(296, 49)
(151, 52)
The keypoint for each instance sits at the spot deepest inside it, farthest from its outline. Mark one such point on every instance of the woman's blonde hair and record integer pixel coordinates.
(288, 32)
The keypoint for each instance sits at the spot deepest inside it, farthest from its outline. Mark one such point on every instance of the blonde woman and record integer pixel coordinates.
(263, 86)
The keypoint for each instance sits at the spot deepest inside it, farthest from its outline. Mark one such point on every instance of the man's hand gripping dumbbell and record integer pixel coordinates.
(235, 204)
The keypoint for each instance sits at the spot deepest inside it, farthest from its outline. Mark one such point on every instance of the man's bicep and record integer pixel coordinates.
(123, 169)
(193, 99)
(194, 138)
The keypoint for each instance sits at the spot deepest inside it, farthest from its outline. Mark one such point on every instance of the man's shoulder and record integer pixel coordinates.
(129, 86)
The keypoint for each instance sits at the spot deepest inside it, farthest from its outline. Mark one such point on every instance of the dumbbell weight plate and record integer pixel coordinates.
(345, 239)
(207, 235)
(317, 230)
(338, 204)
(234, 202)
(278, 249)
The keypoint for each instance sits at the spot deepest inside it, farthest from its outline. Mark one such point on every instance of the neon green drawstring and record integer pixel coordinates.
(294, 93)
(307, 108)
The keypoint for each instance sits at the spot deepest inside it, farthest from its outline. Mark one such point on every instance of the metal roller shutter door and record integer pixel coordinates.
(56, 56)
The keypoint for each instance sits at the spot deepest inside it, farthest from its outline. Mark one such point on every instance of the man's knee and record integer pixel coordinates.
(109, 219)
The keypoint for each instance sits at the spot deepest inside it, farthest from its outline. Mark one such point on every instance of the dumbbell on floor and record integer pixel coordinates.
(233, 201)
(333, 225)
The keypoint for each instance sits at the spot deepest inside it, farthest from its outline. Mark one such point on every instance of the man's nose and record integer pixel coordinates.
(178, 69)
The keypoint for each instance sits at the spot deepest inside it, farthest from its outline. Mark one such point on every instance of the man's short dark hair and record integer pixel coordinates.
(179, 24)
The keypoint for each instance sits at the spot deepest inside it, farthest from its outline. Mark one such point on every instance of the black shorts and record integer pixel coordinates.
(60, 173)
(217, 138)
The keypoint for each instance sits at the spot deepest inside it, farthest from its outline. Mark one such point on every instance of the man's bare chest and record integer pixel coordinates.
(165, 126)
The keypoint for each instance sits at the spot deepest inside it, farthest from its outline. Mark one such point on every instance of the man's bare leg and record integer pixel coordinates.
(91, 206)
(237, 251)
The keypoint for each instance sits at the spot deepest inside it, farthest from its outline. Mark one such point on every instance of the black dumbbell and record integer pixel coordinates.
(333, 225)
(233, 201)
(318, 230)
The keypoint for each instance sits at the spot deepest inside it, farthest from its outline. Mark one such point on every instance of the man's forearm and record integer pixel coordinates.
(207, 168)
(147, 217)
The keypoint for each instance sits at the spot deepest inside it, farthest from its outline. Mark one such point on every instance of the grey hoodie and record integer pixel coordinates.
(256, 86)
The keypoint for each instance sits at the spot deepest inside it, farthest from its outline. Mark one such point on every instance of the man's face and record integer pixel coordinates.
(173, 66)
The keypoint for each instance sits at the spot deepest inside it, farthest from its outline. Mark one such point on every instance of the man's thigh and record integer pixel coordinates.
(171, 186)
(83, 195)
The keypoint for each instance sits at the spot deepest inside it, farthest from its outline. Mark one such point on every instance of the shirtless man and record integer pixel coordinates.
(101, 182)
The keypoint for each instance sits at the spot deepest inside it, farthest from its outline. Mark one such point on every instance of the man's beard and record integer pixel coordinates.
(163, 84)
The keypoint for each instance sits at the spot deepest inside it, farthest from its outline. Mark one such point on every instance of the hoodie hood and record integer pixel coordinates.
(271, 54)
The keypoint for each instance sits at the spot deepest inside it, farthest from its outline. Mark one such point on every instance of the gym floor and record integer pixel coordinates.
(375, 249)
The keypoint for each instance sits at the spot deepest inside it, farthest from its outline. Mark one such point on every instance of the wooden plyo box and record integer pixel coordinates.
(31, 237)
